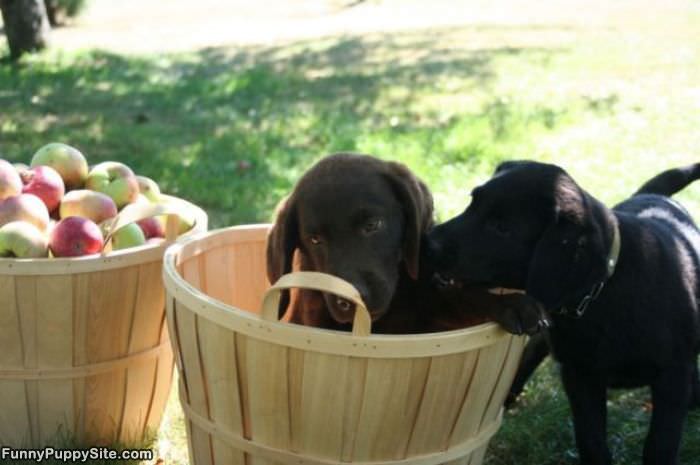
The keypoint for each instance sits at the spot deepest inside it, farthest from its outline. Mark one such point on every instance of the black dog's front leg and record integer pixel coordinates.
(695, 389)
(587, 397)
(670, 395)
(535, 352)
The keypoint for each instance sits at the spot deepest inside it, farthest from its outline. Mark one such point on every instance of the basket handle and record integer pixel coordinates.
(138, 211)
(362, 323)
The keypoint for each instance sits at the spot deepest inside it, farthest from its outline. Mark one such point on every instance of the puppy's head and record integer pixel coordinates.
(355, 217)
(529, 227)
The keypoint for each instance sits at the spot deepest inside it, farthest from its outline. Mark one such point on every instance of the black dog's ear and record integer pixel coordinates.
(509, 165)
(282, 241)
(571, 254)
(417, 202)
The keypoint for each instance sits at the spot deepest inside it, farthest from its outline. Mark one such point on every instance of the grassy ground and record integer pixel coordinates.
(233, 128)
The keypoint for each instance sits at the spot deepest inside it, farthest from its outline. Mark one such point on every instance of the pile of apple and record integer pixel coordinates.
(59, 207)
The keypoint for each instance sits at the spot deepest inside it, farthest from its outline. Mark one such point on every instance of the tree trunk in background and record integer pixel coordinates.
(26, 25)
(53, 12)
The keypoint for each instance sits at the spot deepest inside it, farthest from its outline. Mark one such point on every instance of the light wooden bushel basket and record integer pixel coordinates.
(84, 351)
(264, 392)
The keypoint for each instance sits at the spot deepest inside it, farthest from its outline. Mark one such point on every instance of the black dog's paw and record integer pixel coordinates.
(516, 312)
(521, 314)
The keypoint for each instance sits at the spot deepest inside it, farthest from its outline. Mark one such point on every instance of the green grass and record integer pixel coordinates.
(539, 430)
(232, 130)
(249, 122)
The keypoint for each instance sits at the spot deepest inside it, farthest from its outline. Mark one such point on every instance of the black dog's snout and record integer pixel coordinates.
(343, 304)
(436, 260)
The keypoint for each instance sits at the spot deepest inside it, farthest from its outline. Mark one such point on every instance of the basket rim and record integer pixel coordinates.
(97, 262)
(303, 337)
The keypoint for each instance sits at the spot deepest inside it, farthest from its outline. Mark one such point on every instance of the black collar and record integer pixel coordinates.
(597, 287)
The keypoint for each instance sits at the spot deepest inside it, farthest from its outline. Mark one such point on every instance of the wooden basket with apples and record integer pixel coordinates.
(84, 349)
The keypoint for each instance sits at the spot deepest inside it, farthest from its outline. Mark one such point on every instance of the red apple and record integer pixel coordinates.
(45, 183)
(75, 236)
(151, 227)
(24, 207)
(68, 161)
(10, 182)
(92, 205)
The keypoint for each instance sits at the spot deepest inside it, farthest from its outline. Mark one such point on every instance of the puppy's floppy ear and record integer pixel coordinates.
(571, 254)
(282, 241)
(417, 203)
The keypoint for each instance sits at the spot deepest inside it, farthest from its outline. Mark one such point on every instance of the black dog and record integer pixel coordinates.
(537, 349)
(621, 286)
(363, 219)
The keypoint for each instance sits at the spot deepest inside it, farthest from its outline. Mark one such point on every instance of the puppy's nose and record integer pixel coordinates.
(344, 305)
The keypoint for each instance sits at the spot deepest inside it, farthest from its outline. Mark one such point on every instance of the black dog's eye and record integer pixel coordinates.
(499, 227)
(372, 226)
(315, 239)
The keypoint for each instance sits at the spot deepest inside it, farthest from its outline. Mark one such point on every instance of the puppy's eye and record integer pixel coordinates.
(372, 226)
(315, 239)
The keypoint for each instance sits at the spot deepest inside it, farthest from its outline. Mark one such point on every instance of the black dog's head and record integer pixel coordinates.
(355, 217)
(529, 227)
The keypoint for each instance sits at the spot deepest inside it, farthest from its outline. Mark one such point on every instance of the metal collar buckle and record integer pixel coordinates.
(587, 299)
(598, 287)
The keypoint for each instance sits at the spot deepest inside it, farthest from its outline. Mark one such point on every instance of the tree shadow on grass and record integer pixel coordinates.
(232, 130)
